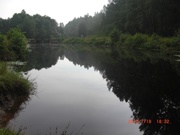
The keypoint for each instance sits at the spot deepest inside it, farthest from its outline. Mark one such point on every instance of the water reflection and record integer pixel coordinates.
(43, 57)
(148, 81)
(152, 90)
(10, 105)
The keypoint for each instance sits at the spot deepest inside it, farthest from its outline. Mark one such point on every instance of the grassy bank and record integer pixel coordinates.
(13, 82)
(5, 131)
(138, 40)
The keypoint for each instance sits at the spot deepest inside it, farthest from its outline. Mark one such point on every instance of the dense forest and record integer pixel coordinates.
(149, 17)
(130, 16)
(36, 26)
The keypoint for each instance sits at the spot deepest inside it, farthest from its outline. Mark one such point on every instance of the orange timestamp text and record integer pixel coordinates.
(148, 121)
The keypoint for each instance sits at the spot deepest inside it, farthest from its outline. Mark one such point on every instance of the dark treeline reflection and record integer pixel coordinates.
(10, 106)
(42, 57)
(152, 90)
(148, 81)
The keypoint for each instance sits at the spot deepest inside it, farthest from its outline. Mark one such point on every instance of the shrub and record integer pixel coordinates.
(153, 42)
(139, 39)
(114, 35)
(17, 42)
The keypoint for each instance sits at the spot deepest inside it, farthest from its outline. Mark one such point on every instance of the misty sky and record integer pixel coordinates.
(60, 10)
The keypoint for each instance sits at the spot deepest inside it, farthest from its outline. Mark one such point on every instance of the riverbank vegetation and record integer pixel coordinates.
(89, 40)
(13, 47)
(13, 82)
(153, 24)
(136, 41)
(153, 41)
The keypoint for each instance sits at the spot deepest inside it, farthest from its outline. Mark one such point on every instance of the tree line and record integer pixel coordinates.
(36, 26)
(84, 26)
(130, 16)
(126, 16)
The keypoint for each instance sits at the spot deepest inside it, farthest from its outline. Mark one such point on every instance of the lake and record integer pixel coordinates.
(101, 91)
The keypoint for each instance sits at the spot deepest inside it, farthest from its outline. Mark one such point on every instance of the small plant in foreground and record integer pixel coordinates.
(7, 131)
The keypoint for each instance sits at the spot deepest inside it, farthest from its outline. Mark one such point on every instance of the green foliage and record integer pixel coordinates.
(114, 35)
(133, 41)
(3, 47)
(136, 41)
(82, 30)
(142, 16)
(36, 26)
(45, 27)
(89, 40)
(13, 45)
(140, 39)
(6, 131)
(149, 42)
(151, 17)
(11, 81)
(73, 40)
(131, 16)
(4, 25)
(17, 42)
(85, 26)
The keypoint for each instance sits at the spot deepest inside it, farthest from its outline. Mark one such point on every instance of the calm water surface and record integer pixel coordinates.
(97, 91)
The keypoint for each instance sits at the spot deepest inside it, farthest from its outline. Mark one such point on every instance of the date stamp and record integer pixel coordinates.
(148, 121)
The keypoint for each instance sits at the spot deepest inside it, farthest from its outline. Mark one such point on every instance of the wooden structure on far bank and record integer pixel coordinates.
(43, 41)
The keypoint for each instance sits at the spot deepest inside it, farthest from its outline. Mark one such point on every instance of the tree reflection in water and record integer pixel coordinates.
(148, 81)
(152, 92)
(10, 105)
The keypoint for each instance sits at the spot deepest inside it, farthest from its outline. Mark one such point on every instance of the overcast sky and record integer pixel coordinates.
(60, 10)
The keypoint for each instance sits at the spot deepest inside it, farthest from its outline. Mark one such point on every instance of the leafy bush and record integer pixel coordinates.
(17, 42)
(114, 35)
(139, 39)
(13, 45)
